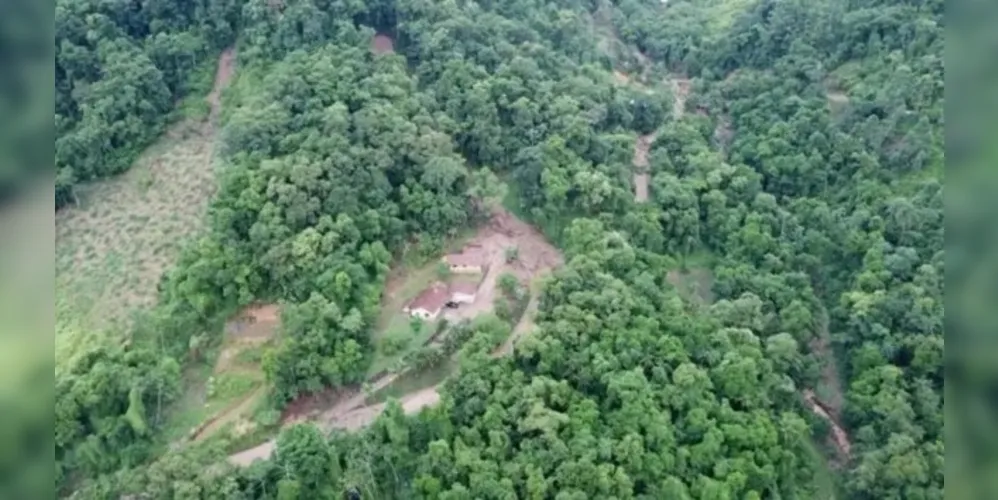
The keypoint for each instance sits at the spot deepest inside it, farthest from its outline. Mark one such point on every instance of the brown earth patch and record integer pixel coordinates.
(382, 44)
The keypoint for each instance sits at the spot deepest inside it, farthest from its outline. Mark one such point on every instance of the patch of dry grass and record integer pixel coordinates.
(112, 248)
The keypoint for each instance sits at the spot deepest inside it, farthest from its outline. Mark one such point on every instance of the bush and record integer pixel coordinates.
(508, 284)
(512, 253)
(394, 343)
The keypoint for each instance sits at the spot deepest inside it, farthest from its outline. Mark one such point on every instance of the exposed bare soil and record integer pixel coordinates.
(382, 44)
(840, 438)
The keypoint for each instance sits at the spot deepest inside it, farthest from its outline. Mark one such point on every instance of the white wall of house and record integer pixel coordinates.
(462, 298)
(419, 312)
(465, 269)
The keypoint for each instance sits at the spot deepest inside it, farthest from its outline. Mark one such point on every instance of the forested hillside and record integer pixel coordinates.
(119, 69)
(804, 168)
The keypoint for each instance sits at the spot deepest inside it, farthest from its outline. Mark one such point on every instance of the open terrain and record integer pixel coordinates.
(114, 245)
(693, 284)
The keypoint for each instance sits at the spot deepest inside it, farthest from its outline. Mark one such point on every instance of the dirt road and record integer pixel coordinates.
(351, 414)
(223, 75)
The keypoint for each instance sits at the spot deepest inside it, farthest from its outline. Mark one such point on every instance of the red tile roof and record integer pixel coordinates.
(431, 299)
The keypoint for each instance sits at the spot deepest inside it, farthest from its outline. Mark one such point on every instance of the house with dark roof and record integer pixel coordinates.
(429, 302)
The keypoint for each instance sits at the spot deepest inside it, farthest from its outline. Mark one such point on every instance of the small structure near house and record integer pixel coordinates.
(466, 262)
(462, 293)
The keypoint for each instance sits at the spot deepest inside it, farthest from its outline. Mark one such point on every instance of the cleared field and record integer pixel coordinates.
(113, 246)
(112, 249)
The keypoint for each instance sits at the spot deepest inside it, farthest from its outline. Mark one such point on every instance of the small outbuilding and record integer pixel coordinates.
(462, 292)
(466, 262)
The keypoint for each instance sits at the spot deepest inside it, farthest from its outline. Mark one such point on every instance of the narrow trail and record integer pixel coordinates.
(642, 145)
(829, 407)
(223, 75)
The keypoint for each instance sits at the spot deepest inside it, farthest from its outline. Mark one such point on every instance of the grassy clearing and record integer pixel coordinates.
(693, 278)
(113, 247)
(694, 283)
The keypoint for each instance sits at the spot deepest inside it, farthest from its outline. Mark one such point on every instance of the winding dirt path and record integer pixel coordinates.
(829, 408)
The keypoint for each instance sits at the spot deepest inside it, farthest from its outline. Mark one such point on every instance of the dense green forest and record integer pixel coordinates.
(807, 166)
